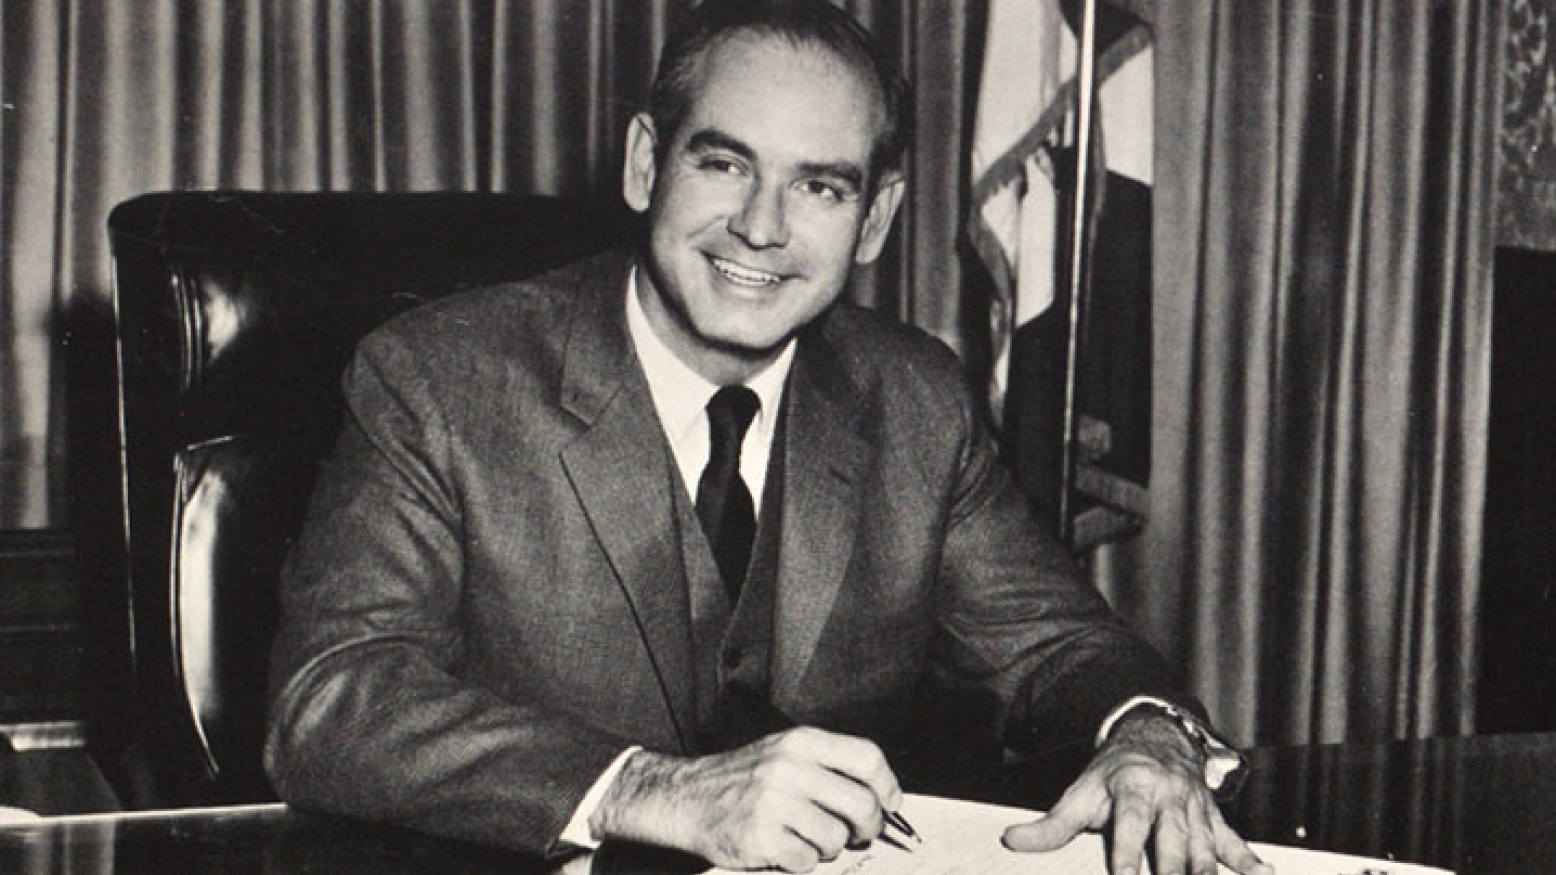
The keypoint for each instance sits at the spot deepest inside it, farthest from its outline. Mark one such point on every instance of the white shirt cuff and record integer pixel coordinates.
(1221, 759)
(577, 832)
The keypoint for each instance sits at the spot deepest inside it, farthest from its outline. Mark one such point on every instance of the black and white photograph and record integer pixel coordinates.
(853, 437)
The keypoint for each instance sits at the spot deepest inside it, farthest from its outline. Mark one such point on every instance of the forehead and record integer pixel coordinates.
(796, 95)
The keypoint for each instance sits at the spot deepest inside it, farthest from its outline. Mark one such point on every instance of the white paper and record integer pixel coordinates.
(963, 838)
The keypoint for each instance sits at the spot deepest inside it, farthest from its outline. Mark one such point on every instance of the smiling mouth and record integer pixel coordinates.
(744, 276)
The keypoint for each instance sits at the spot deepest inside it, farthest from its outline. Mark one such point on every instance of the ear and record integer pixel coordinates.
(639, 165)
(883, 208)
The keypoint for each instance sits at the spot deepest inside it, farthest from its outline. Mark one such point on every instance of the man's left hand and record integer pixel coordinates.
(1148, 781)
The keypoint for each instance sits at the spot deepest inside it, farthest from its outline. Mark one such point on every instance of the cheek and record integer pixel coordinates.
(821, 293)
(828, 238)
(692, 202)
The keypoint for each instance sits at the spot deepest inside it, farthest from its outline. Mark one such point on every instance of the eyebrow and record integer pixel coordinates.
(845, 172)
(712, 138)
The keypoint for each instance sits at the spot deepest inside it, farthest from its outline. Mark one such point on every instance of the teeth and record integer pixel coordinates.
(744, 276)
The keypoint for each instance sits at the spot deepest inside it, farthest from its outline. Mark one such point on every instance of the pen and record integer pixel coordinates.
(902, 825)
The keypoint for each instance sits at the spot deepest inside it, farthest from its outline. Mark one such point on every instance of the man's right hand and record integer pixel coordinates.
(788, 800)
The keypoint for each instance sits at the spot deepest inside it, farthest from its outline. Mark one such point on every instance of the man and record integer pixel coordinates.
(530, 607)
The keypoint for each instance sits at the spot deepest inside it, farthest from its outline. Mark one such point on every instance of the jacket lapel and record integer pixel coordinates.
(824, 457)
(619, 469)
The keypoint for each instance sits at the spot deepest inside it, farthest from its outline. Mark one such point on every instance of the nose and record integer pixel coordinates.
(761, 221)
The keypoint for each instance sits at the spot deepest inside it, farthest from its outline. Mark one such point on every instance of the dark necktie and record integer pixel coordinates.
(723, 502)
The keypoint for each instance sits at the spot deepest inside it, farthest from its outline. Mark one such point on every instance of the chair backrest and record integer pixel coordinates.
(236, 313)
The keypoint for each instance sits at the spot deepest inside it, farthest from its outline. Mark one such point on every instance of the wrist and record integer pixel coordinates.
(1149, 728)
(639, 804)
(1222, 766)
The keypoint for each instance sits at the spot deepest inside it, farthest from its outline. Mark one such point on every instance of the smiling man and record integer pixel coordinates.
(674, 546)
(760, 199)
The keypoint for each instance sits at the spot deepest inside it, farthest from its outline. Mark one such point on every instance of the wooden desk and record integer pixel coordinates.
(1481, 806)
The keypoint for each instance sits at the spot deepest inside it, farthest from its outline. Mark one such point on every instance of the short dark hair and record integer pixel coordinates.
(814, 23)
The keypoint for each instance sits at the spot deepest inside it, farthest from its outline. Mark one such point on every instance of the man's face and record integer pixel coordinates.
(761, 202)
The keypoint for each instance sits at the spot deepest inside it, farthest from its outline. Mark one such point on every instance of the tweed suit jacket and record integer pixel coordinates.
(491, 597)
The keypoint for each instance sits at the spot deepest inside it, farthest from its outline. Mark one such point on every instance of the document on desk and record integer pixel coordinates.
(963, 838)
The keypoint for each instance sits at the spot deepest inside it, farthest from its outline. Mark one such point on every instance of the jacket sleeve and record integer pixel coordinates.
(369, 716)
(1019, 617)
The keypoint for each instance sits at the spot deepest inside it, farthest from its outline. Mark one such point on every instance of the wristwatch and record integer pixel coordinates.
(1225, 766)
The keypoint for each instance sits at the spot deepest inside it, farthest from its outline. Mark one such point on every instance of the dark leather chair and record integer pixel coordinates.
(236, 313)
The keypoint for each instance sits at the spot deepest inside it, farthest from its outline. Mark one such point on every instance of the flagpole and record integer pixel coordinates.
(1079, 260)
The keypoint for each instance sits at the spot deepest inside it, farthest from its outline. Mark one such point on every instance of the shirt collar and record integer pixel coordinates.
(681, 394)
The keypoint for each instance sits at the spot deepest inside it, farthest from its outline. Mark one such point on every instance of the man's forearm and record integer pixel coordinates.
(382, 733)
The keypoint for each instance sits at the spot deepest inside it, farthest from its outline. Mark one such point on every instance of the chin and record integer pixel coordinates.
(753, 330)
(750, 347)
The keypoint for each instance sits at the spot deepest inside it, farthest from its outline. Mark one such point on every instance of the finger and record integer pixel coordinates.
(765, 843)
(1232, 850)
(1202, 854)
(856, 758)
(822, 830)
(847, 800)
(1131, 827)
(794, 854)
(1171, 838)
(1083, 806)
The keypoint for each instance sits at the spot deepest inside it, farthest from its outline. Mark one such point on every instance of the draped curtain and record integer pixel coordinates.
(106, 100)
(1322, 317)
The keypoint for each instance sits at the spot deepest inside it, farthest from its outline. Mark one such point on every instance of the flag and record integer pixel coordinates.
(1023, 159)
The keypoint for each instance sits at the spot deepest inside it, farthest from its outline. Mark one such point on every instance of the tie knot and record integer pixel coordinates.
(729, 415)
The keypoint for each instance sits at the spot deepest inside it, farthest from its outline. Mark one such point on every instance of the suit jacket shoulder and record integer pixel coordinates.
(523, 322)
(875, 347)
(917, 392)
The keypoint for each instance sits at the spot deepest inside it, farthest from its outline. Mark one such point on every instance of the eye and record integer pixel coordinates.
(719, 164)
(822, 189)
